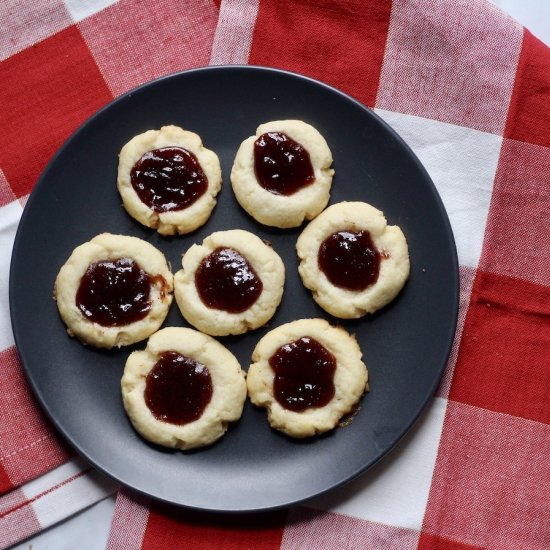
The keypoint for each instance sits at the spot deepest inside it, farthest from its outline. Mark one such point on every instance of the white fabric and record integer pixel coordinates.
(80, 9)
(462, 164)
(9, 220)
(66, 490)
(395, 492)
(233, 37)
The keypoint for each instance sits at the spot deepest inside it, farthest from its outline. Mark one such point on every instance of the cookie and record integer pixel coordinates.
(168, 180)
(351, 260)
(183, 390)
(282, 175)
(231, 283)
(308, 375)
(114, 291)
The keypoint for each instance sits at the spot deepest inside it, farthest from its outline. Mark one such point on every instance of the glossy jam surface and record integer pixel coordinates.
(225, 280)
(304, 374)
(168, 179)
(177, 389)
(114, 293)
(282, 165)
(349, 260)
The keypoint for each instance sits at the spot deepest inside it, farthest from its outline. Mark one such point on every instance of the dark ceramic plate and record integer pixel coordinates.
(253, 467)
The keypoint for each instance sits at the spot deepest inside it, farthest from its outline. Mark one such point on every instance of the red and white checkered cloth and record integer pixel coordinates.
(469, 89)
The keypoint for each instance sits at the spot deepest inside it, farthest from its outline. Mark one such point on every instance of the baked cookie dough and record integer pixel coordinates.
(231, 283)
(168, 180)
(272, 179)
(113, 291)
(351, 260)
(183, 389)
(308, 375)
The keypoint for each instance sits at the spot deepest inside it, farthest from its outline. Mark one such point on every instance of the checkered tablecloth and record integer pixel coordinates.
(469, 89)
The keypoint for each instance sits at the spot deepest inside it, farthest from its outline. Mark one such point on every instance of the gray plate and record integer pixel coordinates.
(253, 467)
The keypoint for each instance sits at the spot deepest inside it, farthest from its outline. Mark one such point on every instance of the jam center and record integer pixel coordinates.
(177, 389)
(304, 374)
(282, 165)
(225, 280)
(168, 179)
(349, 260)
(114, 293)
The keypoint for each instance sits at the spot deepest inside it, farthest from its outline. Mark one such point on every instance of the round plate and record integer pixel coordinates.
(252, 467)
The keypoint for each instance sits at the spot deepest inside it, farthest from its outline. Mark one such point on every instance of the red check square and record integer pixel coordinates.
(194, 530)
(518, 230)
(341, 43)
(28, 446)
(311, 530)
(26, 23)
(504, 362)
(428, 541)
(529, 114)
(454, 65)
(134, 41)
(491, 482)
(51, 89)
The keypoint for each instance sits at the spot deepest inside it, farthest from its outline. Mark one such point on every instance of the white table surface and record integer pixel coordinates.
(89, 529)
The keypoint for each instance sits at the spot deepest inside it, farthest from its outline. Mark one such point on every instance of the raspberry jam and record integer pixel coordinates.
(177, 389)
(349, 260)
(114, 293)
(168, 179)
(304, 374)
(282, 165)
(225, 280)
